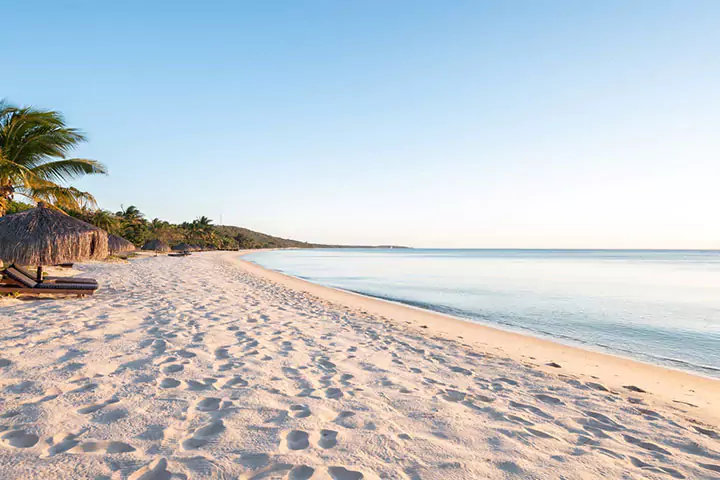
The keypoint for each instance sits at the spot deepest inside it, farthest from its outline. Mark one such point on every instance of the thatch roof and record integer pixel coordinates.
(119, 245)
(156, 245)
(182, 247)
(46, 236)
(196, 248)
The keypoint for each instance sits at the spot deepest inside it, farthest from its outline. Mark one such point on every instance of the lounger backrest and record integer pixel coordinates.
(24, 271)
(13, 274)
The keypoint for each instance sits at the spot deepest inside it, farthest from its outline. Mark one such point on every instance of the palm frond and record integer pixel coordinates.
(68, 169)
(61, 197)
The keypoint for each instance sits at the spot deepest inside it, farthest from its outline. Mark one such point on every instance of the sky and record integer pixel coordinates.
(463, 123)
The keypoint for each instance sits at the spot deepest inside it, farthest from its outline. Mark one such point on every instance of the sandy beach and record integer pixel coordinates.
(212, 367)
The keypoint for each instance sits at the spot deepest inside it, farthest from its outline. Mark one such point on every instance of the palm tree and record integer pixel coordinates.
(131, 214)
(106, 220)
(34, 145)
(205, 229)
(157, 224)
(204, 224)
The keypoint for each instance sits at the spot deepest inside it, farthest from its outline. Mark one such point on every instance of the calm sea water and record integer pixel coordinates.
(661, 307)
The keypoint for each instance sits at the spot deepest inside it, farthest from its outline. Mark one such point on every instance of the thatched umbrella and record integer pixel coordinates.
(119, 245)
(46, 236)
(156, 245)
(182, 247)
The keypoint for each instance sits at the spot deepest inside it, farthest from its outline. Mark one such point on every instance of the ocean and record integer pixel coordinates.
(656, 306)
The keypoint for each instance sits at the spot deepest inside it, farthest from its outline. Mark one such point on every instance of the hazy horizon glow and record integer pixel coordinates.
(556, 124)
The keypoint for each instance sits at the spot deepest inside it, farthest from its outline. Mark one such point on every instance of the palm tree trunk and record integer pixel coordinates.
(6, 195)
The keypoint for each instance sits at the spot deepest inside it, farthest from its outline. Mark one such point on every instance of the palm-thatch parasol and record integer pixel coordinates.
(119, 245)
(182, 247)
(156, 245)
(46, 236)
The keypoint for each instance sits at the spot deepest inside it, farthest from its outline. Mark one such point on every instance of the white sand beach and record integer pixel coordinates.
(212, 367)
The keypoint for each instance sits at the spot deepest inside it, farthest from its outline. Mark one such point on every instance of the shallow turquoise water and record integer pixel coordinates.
(661, 307)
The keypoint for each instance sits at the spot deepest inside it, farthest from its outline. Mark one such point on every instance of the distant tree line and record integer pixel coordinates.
(131, 224)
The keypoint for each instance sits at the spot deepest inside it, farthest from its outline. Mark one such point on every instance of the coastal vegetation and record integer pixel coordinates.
(130, 223)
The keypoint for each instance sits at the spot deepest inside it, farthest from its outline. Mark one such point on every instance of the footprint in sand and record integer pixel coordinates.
(343, 419)
(597, 386)
(94, 407)
(4, 362)
(156, 470)
(185, 354)
(60, 443)
(301, 472)
(111, 416)
(342, 473)
(208, 404)
(454, 395)
(196, 386)
(221, 353)
(549, 399)
(711, 467)
(169, 383)
(462, 370)
(297, 440)
(326, 365)
(158, 347)
(635, 389)
(333, 393)
(174, 368)
(646, 445)
(102, 447)
(236, 382)
(20, 439)
(203, 435)
(328, 438)
(299, 411)
(539, 433)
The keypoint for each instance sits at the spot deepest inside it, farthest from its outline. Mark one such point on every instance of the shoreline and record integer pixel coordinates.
(685, 392)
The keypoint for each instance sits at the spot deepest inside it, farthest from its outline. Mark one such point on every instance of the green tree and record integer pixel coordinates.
(34, 163)
(106, 220)
(131, 214)
(133, 225)
(15, 207)
(204, 230)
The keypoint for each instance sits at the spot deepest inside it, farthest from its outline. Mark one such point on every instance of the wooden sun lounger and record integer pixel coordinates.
(27, 273)
(16, 282)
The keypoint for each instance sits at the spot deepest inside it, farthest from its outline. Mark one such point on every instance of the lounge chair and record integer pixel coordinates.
(16, 282)
(27, 273)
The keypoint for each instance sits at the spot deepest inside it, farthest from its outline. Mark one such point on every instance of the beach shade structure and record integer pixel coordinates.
(46, 236)
(119, 245)
(182, 247)
(157, 246)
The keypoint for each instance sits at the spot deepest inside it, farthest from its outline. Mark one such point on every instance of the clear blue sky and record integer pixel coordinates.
(429, 123)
